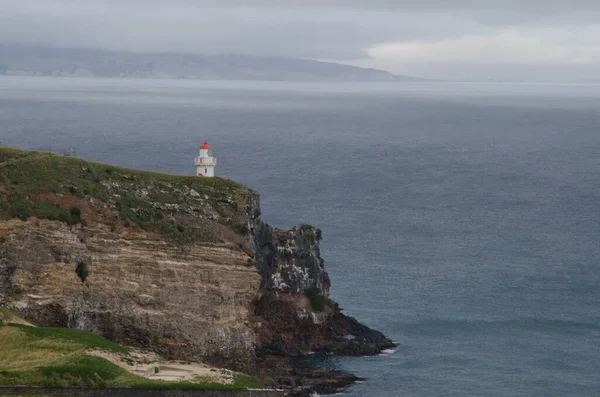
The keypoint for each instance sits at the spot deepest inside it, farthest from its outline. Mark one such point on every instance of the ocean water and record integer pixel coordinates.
(462, 220)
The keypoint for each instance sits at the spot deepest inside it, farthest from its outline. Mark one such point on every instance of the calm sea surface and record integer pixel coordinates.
(463, 220)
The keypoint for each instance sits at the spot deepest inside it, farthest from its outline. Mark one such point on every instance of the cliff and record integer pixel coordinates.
(183, 266)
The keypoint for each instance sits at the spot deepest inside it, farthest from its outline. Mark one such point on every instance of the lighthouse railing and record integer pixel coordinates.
(205, 161)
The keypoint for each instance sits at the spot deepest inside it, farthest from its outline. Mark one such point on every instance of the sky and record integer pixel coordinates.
(504, 40)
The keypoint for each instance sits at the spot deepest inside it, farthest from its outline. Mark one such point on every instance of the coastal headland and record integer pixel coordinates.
(176, 266)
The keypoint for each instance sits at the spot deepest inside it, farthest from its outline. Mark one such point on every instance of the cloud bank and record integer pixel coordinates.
(448, 39)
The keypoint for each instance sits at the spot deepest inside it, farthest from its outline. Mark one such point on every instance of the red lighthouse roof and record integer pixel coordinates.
(205, 145)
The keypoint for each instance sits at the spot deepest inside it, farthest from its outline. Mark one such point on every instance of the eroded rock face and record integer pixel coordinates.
(288, 260)
(186, 302)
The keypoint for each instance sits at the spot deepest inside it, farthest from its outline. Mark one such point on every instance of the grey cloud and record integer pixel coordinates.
(339, 30)
(181, 28)
(342, 34)
(291, 40)
(517, 8)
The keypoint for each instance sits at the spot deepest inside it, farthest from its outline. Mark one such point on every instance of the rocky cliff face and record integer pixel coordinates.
(292, 315)
(288, 260)
(189, 304)
(182, 266)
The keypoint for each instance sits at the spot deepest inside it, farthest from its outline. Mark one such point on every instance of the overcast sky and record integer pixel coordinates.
(448, 39)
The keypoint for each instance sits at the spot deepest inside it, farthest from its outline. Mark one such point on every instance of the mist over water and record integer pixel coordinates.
(462, 220)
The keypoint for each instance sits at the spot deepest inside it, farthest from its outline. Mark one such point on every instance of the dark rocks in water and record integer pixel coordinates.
(320, 380)
(284, 327)
(351, 338)
(286, 334)
(300, 378)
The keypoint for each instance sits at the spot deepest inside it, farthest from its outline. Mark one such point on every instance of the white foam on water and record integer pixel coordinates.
(387, 352)
(315, 394)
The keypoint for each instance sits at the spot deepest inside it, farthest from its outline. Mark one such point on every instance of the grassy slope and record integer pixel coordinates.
(46, 185)
(56, 357)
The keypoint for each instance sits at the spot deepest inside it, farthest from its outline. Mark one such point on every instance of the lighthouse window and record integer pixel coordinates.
(206, 170)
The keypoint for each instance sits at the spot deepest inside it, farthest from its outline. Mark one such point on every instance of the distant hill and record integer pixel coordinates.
(43, 61)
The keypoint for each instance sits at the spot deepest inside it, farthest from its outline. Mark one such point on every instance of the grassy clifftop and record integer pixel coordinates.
(69, 189)
(59, 357)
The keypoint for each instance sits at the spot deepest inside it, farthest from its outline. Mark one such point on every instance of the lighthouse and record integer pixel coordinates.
(205, 163)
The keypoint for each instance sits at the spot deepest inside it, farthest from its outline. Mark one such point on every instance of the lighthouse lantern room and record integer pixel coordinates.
(205, 163)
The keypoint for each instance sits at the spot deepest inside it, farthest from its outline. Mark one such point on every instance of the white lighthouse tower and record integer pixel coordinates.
(205, 163)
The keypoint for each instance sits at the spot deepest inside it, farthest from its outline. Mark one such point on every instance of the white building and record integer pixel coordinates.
(205, 163)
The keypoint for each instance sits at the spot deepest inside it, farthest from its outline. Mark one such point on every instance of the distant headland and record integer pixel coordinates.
(20, 60)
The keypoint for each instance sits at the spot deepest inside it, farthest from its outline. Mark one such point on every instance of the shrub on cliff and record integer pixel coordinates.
(75, 212)
(82, 271)
(20, 210)
(318, 302)
(311, 228)
(306, 227)
(241, 229)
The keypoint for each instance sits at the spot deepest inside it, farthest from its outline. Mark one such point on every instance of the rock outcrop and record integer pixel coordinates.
(287, 260)
(179, 265)
(293, 316)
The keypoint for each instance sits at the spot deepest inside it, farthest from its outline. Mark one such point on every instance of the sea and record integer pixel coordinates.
(460, 219)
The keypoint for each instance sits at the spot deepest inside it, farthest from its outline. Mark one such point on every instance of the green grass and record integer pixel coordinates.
(6, 314)
(248, 382)
(84, 339)
(11, 154)
(85, 370)
(56, 357)
(36, 184)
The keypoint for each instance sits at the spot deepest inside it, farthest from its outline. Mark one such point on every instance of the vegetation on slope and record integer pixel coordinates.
(56, 357)
(317, 302)
(306, 227)
(75, 191)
